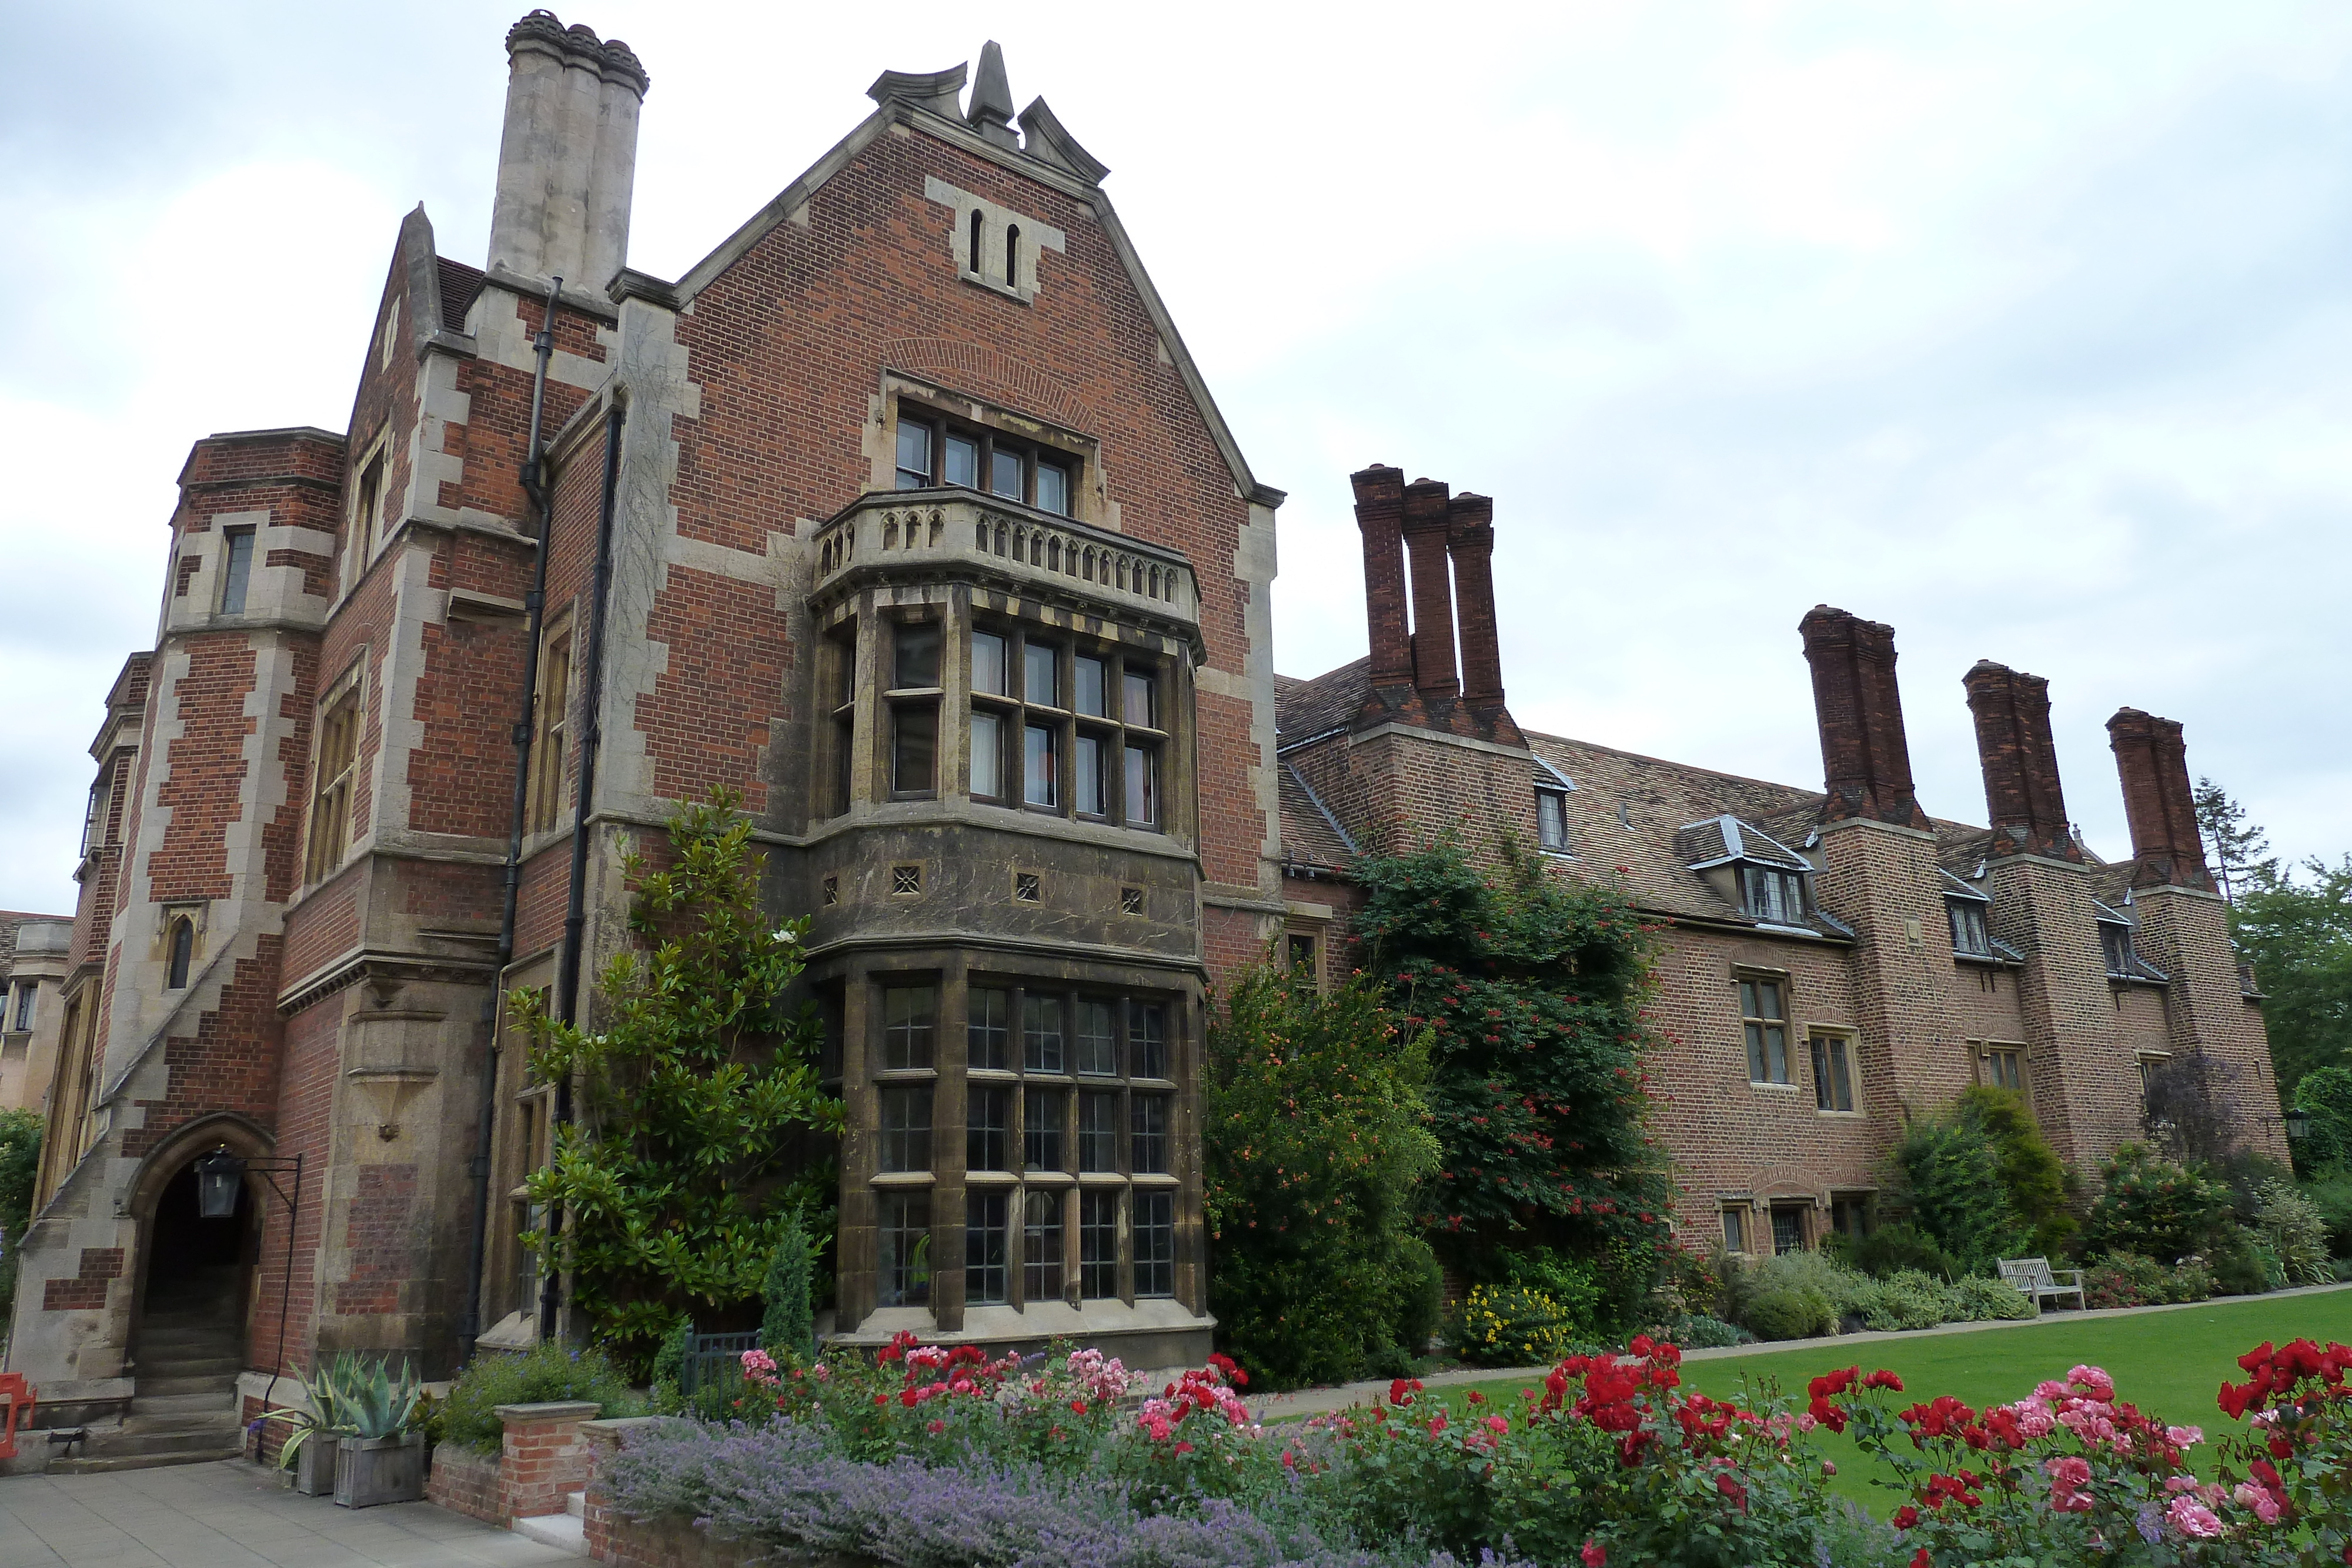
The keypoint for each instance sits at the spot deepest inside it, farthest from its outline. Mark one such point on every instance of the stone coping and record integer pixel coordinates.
(550, 1410)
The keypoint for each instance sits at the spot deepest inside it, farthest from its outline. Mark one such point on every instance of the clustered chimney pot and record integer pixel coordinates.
(2023, 799)
(568, 155)
(1865, 758)
(2153, 763)
(1425, 531)
(1379, 518)
(1470, 542)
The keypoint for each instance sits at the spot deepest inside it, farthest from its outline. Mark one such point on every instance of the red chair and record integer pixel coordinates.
(20, 1395)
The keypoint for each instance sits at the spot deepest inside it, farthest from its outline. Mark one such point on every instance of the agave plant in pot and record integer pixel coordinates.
(319, 1426)
(379, 1456)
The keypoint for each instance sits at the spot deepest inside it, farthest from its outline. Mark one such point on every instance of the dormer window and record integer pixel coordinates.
(1769, 893)
(1969, 934)
(1551, 821)
(2115, 941)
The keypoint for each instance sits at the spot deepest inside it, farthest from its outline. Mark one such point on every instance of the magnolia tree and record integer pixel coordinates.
(703, 1126)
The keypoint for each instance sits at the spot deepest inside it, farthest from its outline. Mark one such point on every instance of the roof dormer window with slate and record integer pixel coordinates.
(1762, 878)
(1551, 809)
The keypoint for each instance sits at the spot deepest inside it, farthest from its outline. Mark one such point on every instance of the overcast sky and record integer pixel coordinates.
(2025, 327)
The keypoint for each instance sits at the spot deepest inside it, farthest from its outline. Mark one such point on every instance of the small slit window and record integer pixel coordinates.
(183, 953)
(1012, 255)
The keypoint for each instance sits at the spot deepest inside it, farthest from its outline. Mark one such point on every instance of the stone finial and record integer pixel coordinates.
(991, 113)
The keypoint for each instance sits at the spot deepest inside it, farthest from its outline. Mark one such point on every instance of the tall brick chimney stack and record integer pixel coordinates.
(568, 157)
(2023, 799)
(1865, 760)
(1425, 531)
(1470, 541)
(1379, 518)
(2153, 763)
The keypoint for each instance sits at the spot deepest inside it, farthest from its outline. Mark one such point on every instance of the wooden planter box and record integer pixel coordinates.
(372, 1471)
(314, 1464)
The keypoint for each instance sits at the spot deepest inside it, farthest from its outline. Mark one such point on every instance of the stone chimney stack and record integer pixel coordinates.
(1470, 541)
(2153, 763)
(2023, 800)
(568, 158)
(1425, 531)
(1379, 518)
(1866, 759)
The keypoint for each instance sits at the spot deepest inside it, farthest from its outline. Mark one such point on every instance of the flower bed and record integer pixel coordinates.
(929, 1457)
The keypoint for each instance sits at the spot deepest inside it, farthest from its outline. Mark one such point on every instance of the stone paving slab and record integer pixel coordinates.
(233, 1514)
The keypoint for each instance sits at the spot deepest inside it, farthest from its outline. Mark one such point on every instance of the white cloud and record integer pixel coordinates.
(2021, 326)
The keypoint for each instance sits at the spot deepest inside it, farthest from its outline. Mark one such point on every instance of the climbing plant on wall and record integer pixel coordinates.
(701, 1122)
(1532, 988)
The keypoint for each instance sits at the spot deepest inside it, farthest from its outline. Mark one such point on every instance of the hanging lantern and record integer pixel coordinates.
(218, 1176)
(2298, 1124)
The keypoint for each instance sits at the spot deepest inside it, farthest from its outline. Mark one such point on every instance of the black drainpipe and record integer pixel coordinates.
(575, 908)
(534, 485)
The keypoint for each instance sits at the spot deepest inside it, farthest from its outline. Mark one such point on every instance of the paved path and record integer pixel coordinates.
(1317, 1401)
(232, 1514)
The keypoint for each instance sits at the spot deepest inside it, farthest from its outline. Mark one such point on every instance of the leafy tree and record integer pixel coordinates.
(1315, 1127)
(20, 1165)
(703, 1122)
(1944, 1175)
(1531, 987)
(2031, 1172)
(2297, 933)
(2236, 848)
(2326, 1093)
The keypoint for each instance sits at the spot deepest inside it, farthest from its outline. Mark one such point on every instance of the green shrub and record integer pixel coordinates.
(20, 1163)
(1890, 1248)
(2326, 1093)
(1696, 1331)
(2150, 1206)
(1906, 1300)
(788, 1324)
(1316, 1139)
(2330, 1192)
(2296, 1233)
(1799, 1313)
(1573, 1283)
(2243, 1266)
(2130, 1280)
(1944, 1175)
(1844, 1290)
(469, 1417)
(1977, 1299)
(1507, 1326)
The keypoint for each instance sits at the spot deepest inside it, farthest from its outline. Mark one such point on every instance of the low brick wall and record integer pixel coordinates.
(539, 1463)
(661, 1542)
(464, 1481)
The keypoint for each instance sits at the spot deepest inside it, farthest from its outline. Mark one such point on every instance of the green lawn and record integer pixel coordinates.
(2168, 1364)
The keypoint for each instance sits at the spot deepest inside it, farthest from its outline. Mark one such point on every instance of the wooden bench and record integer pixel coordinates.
(2035, 1279)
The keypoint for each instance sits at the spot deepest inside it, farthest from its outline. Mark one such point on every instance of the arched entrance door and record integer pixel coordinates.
(196, 1267)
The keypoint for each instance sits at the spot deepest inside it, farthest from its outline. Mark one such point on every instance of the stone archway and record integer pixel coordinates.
(195, 1276)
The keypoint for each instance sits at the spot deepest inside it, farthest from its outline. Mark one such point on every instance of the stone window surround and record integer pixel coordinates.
(940, 404)
(351, 687)
(1751, 974)
(947, 1229)
(861, 650)
(1853, 1039)
(1980, 1053)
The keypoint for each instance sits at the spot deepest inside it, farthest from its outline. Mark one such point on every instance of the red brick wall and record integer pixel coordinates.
(467, 1482)
(313, 1057)
(229, 1063)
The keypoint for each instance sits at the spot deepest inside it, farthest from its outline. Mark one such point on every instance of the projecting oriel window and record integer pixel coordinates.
(935, 451)
(1044, 734)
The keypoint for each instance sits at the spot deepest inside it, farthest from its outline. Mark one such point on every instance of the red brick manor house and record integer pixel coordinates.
(906, 515)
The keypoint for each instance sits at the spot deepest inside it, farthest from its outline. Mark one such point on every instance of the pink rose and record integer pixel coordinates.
(2193, 1517)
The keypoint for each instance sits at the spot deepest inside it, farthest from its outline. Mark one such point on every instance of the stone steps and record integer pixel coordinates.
(566, 1532)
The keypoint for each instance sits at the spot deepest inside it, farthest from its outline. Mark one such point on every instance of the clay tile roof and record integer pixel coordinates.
(459, 284)
(1330, 701)
(1702, 843)
(1310, 835)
